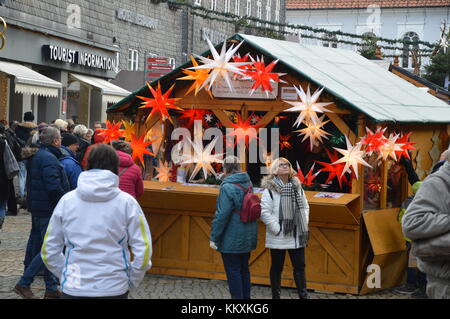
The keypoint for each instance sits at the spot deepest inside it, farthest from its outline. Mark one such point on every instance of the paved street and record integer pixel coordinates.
(14, 237)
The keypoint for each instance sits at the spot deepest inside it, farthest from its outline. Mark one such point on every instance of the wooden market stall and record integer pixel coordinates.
(351, 229)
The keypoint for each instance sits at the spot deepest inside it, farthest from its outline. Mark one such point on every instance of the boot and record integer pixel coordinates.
(275, 283)
(300, 282)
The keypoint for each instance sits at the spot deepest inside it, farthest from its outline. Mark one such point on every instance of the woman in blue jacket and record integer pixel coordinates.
(70, 144)
(231, 237)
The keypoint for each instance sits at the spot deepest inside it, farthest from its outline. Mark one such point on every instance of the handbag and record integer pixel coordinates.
(9, 160)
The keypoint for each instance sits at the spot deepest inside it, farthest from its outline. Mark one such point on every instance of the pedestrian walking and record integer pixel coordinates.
(230, 236)
(130, 175)
(285, 211)
(46, 184)
(71, 166)
(97, 223)
(81, 131)
(427, 223)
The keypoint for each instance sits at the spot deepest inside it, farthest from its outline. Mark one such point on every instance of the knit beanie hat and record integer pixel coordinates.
(69, 139)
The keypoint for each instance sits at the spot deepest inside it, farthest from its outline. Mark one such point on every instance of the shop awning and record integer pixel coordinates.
(111, 93)
(28, 81)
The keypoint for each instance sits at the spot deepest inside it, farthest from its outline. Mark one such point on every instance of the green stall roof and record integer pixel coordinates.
(365, 86)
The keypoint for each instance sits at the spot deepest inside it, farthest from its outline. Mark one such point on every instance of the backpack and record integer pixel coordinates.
(251, 205)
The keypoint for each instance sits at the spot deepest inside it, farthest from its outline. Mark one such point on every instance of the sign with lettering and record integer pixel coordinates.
(156, 68)
(136, 18)
(242, 89)
(85, 59)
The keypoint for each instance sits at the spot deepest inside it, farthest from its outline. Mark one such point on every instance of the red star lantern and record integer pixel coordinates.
(139, 148)
(374, 141)
(193, 115)
(405, 145)
(244, 68)
(243, 130)
(284, 142)
(334, 170)
(307, 180)
(112, 132)
(263, 76)
(160, 102)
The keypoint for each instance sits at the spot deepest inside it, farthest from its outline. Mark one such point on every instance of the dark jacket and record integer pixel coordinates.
(4, 182)
(23, 131)
(81, 149)
(46, 181)
(71, 166)
(227, 231)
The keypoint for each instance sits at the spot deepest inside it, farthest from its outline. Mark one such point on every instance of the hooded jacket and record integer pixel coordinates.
(270, 211)
(131, 179)
(71, 166)
(97, 223)
(23, 131)
(227, 231)
(427, 223)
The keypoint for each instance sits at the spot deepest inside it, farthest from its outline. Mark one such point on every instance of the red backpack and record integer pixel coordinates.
(251, 205)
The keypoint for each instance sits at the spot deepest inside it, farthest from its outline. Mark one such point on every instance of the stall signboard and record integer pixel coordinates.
(242, 89)
(156, 68)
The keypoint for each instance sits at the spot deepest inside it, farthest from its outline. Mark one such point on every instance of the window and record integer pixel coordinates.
(248, 9)
(198, 2)
(331, 42)
(133, 60)
(258, 11)
(268, 10)
(227, 8)
(213, 5)
(237, 7)
(277, 13)
(408, 49)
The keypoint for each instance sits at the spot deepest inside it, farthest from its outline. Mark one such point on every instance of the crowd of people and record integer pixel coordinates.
(72, 184)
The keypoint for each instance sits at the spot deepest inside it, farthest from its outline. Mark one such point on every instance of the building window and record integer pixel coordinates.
(277, 13)
(237, 7)
(331, 41)
(227, 8)
(268, 10)
(258, 11)
(213, 5)
(133, 60)
(248, 9)
(198, 2)
(408, 49)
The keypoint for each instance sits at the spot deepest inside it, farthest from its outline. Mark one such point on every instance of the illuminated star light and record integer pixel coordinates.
(199, 77)
(263, 76)
(202, 158)
(307, 180)
(405, 146)
(307, 106)
(164, 172)
(352, 157)
(243, 130)
(129, 131)
(220, 64)
(208, 118)
(139, 148)
(374, 141)
(334, 170)
(193, 115)
(390, 148)
(112, 132)
(314, 131)
(237, 58)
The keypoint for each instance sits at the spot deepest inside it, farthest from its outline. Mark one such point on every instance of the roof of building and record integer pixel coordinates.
(360, 83)
(349, 4)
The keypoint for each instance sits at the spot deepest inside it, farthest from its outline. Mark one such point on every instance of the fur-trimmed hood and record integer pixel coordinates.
(30, 125)
(28, 152)
(268, 183)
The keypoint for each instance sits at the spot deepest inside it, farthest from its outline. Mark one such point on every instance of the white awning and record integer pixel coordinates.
(28, 81)
(111, 93)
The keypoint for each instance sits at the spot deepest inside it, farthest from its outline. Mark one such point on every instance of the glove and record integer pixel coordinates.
(212, 245)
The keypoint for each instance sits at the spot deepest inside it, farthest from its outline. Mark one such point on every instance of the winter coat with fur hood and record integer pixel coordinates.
(270, 210)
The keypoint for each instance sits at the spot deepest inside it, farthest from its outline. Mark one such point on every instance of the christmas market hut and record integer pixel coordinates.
(349, 127)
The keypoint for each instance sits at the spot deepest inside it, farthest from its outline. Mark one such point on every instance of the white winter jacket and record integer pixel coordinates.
(270, 209)
(96, 223)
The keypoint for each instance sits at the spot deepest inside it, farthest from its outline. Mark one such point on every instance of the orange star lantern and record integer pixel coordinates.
(129, 131)
(263, 76)
(193, 115)
(284, 142)
(198, 75)
(112, 132)
(160, 103)
(243, 130)
(140, 148)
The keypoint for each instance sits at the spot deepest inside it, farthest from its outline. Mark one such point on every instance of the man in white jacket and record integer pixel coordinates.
(97, 222)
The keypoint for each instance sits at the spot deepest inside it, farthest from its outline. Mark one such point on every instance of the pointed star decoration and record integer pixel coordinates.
(335, 170)
(220, 65)
(112, 132)
(164, 172)
(160, 102)
(129, 131)
(237, 58)
(192, 115)
(243, 130)
(374, 141)
(308, 106)
(263, 76)
(198, 76)
(352, 157)
(284, 142)
(139, 148)
(405, 146)
(390, 148)
(202, 158)
(314, 131)
(208, 118)
(307, 180)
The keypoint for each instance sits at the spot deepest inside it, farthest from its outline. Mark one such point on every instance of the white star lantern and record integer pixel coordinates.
(314, 131)
(164, 172)
(352, 157)
(208, 118)
(202, 158)
(220, 64)
(389, 148)
(308, 106)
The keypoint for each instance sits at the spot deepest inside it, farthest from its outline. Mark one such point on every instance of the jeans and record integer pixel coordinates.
(36, 265)
(22, 178)
(2, 212)
(297, 259)
(34, 243)
(414, 276)
(238, 274)
(12, 204)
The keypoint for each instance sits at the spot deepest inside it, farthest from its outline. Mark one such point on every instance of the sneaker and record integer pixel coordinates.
(406, 289)
(25, 293)
(52, 294)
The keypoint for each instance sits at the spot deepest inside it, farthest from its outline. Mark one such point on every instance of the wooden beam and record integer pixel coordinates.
(223, 118)
(384, 185)
(266, 119)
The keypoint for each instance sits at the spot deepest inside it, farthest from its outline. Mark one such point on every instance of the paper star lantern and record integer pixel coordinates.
(164, 172)
(263, 76)
(160, 102)
(220, 65)
(198, 76)
(314, 132)
(139, 148)
(243, 130)
(129, 131)
(245, 59)
(334, 170)
(374, 141)
(208, 117)
(390, 148)
(284, 142)
(112, 132)
(405, 145)
(192, 115)
(352, 157)
(308, 106)
(202, 158)
(307, 180)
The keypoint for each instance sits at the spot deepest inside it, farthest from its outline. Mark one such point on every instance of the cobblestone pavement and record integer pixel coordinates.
(14, 236)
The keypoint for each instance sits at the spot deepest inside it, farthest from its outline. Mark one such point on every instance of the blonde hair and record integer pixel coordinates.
(273, 169)
(61, 124)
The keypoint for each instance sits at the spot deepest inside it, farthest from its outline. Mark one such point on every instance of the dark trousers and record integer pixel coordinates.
(66, 296)
(12, 204)
(414, 276)
(298, 262)
(238, 274)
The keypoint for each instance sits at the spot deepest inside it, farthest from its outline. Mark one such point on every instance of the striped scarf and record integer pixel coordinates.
(292, 211)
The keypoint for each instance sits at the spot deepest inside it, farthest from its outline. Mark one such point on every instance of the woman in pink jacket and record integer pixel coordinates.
(130, 175)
